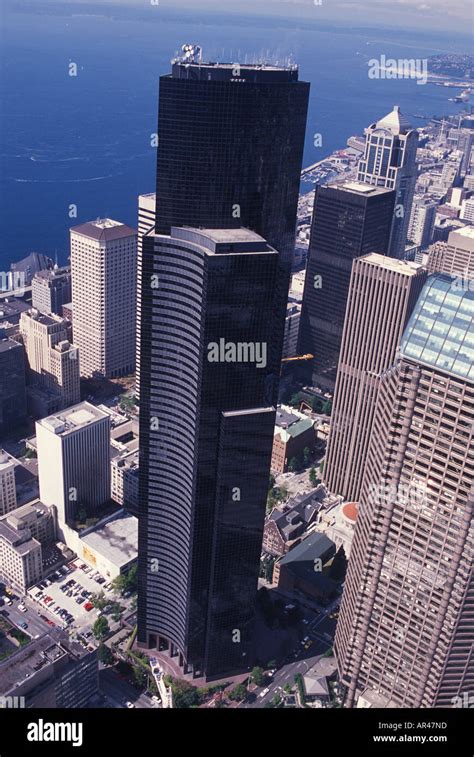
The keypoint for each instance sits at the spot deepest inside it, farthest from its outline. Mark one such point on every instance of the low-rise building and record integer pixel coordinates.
(316, 680)
(285, 527)
(294, 432)
(51, 672)
(23, 535)
(301, 569)
(110, 546)
(338, 523)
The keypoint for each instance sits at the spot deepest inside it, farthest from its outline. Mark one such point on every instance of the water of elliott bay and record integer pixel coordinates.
(85, 140)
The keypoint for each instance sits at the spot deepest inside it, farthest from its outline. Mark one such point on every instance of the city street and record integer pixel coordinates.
(320, 630)
(36, 626)
(118, 691)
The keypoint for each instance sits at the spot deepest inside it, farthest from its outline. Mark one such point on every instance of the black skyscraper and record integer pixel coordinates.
(230, 149)
(231, 144)
(349, 221)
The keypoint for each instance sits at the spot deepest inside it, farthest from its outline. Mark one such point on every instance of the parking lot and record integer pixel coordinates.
(64, 598)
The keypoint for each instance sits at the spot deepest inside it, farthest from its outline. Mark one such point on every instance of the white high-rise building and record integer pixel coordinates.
(74, 460)
(7, 484)
(467, 210)
(104, 273)
(390, 161)
(146, 223)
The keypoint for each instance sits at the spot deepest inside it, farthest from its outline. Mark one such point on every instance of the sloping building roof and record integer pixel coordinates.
(310, 549)
(395, 122)
(440, 332)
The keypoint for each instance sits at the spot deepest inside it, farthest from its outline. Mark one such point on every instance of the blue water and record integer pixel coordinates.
(85, 141)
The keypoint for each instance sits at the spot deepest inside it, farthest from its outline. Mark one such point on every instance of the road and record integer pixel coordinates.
(320, 630)
(36, 626)
(118, 691)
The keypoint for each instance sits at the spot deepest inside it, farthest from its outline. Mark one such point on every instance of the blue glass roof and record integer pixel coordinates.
(440, 332)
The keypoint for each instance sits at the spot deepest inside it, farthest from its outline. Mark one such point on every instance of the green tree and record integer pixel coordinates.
(238, 693)
(295, 400)
(99, 600)
(327, 407)
(271, 482)
(185, 695)
(313, 477)
(140, 676)
(258, 676)
(287, 688)
(316, 404)
(321, 468)
(105, 655)
(272, 664)
(100, 629)
(268, 574)
(306, 455)
(293, 465)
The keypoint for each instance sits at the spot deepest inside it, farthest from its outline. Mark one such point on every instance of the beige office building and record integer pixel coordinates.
(456, 256)
(104, 273)
(23, 534)
(74, 460)
(404, 634)
(53, 361)
(382, 294)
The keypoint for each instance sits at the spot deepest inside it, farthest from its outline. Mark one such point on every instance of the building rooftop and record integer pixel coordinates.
(350, 511)
(290, 425)
(189, 65)
(11, 309)
(9, 344)
(35, 656)
(72, 418)
(50, 275)
(104, 230)
(463, 238)
(440, 332)
(359, 188)
(223, 241)
(407, 267)
(46, 319)
(313, 547)
(116, 539)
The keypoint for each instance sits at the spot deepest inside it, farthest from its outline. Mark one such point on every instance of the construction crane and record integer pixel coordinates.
(300, 357)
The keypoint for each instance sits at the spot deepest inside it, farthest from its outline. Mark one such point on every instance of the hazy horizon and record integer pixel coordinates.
(413, 14)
